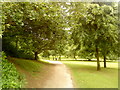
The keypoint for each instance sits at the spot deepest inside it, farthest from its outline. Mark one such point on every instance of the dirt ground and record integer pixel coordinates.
(52, 76)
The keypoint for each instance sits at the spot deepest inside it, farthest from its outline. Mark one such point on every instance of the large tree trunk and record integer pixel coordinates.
(97, 56)
(104, 61)
(36, 55)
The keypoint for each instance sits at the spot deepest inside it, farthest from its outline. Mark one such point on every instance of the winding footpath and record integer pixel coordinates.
(53, 75)
(59, 77)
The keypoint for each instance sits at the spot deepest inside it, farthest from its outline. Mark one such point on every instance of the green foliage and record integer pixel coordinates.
(32, 27)
(95, 32)
(10, 77)
(46, 54)
(11, 50)
(74, 29)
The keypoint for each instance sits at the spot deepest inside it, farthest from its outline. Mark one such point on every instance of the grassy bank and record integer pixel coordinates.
(32, 70)
(27, 65)
(85, 75)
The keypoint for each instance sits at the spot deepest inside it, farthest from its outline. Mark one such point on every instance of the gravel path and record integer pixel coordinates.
(59, 77)
(54, 75)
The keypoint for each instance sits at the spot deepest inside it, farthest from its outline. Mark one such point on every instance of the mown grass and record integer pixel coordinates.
(85, 75)
(28, 65)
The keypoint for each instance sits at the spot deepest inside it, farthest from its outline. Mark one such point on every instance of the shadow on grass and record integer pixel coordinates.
(83, 68)
(88, 60)
(28, 64)
(90, 68)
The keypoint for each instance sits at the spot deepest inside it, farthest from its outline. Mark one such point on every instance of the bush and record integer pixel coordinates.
(10, 77)
(112, 57)
(11, 50)
(24, 54)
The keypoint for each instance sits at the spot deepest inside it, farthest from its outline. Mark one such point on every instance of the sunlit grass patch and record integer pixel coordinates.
(85, 75)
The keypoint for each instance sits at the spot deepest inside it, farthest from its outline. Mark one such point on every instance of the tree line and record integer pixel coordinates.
(88, 30)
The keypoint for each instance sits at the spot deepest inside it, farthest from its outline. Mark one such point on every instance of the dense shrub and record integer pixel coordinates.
(24, 54)
(12, 51)
(112, 57)
(10, 77)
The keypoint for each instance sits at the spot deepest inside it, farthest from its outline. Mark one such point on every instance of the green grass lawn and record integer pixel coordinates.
(28, 65)
(85, 75)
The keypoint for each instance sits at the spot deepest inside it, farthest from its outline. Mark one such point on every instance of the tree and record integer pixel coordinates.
(106, 48)
(36, 31)
(94, 28)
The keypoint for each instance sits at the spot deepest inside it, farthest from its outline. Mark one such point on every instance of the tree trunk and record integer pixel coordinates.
(36, 55)
(53, 57)
(56, 58)
(89, 60)
(60, 58)
(97, 56)
(75, 57)
(104, 61)
(16, 44)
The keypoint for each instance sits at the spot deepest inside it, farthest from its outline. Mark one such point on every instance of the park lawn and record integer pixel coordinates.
(85, 75)
(30, 66)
